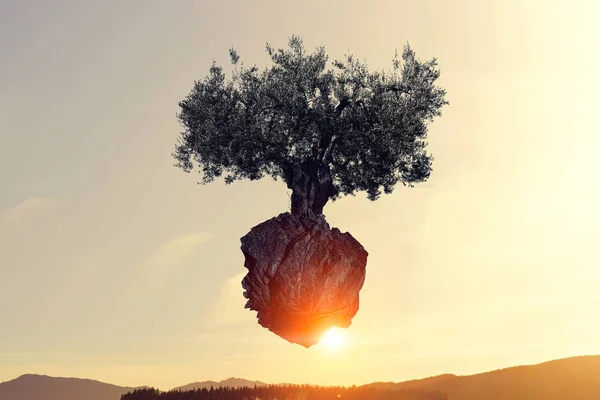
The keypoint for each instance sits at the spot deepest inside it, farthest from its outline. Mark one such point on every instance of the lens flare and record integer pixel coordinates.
(334, 339)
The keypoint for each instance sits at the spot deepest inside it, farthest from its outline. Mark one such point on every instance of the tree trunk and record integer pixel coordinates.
(311, 186)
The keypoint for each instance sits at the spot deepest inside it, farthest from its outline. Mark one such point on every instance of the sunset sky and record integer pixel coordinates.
(117, 266)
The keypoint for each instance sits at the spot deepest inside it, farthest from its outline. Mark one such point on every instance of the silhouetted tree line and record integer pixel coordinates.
(286, 392)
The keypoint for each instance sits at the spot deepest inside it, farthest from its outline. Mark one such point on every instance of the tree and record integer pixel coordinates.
(325, 132)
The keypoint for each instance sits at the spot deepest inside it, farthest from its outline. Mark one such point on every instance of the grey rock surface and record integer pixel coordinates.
(303, 276)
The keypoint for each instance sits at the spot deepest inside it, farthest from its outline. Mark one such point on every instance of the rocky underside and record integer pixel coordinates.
(303, 276)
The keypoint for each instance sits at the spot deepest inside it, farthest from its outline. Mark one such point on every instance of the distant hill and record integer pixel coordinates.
(576, 378)
(230, 382)
(42, 387)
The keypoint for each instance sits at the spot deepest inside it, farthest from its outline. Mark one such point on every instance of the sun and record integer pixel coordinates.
(334, 339)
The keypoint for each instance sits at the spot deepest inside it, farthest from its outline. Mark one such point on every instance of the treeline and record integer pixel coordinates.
(286, 392)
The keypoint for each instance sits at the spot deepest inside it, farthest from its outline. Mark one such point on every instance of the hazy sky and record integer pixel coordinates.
(117, 266)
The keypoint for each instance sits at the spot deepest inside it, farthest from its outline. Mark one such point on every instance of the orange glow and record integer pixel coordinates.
(334, 339)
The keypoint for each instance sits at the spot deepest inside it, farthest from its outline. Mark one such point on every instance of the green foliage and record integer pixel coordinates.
(368, 128)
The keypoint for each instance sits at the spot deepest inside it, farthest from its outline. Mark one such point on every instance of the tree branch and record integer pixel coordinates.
(328, 140)
(267, 108)
(401, 88)
(345, 102)
(326, 157)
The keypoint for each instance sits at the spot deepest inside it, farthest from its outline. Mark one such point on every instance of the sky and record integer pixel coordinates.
(117, 266)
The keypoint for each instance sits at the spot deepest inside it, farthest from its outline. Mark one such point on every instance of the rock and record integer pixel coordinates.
(303, 276)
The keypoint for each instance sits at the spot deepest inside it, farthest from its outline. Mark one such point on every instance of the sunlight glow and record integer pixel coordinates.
(334, 339)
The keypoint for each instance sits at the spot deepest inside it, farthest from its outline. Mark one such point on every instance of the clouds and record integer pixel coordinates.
(179, 247)
(228, 308)
(171, 256)
(27, 208)
(226, 319)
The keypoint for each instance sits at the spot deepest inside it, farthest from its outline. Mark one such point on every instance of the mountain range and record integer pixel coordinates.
(42, 387)
(230, 382)
(576, 378)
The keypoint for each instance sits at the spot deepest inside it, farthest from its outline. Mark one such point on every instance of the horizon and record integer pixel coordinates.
(117, 266)
(221, 381)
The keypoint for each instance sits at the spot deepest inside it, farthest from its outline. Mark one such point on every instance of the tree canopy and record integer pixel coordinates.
(365, 130)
